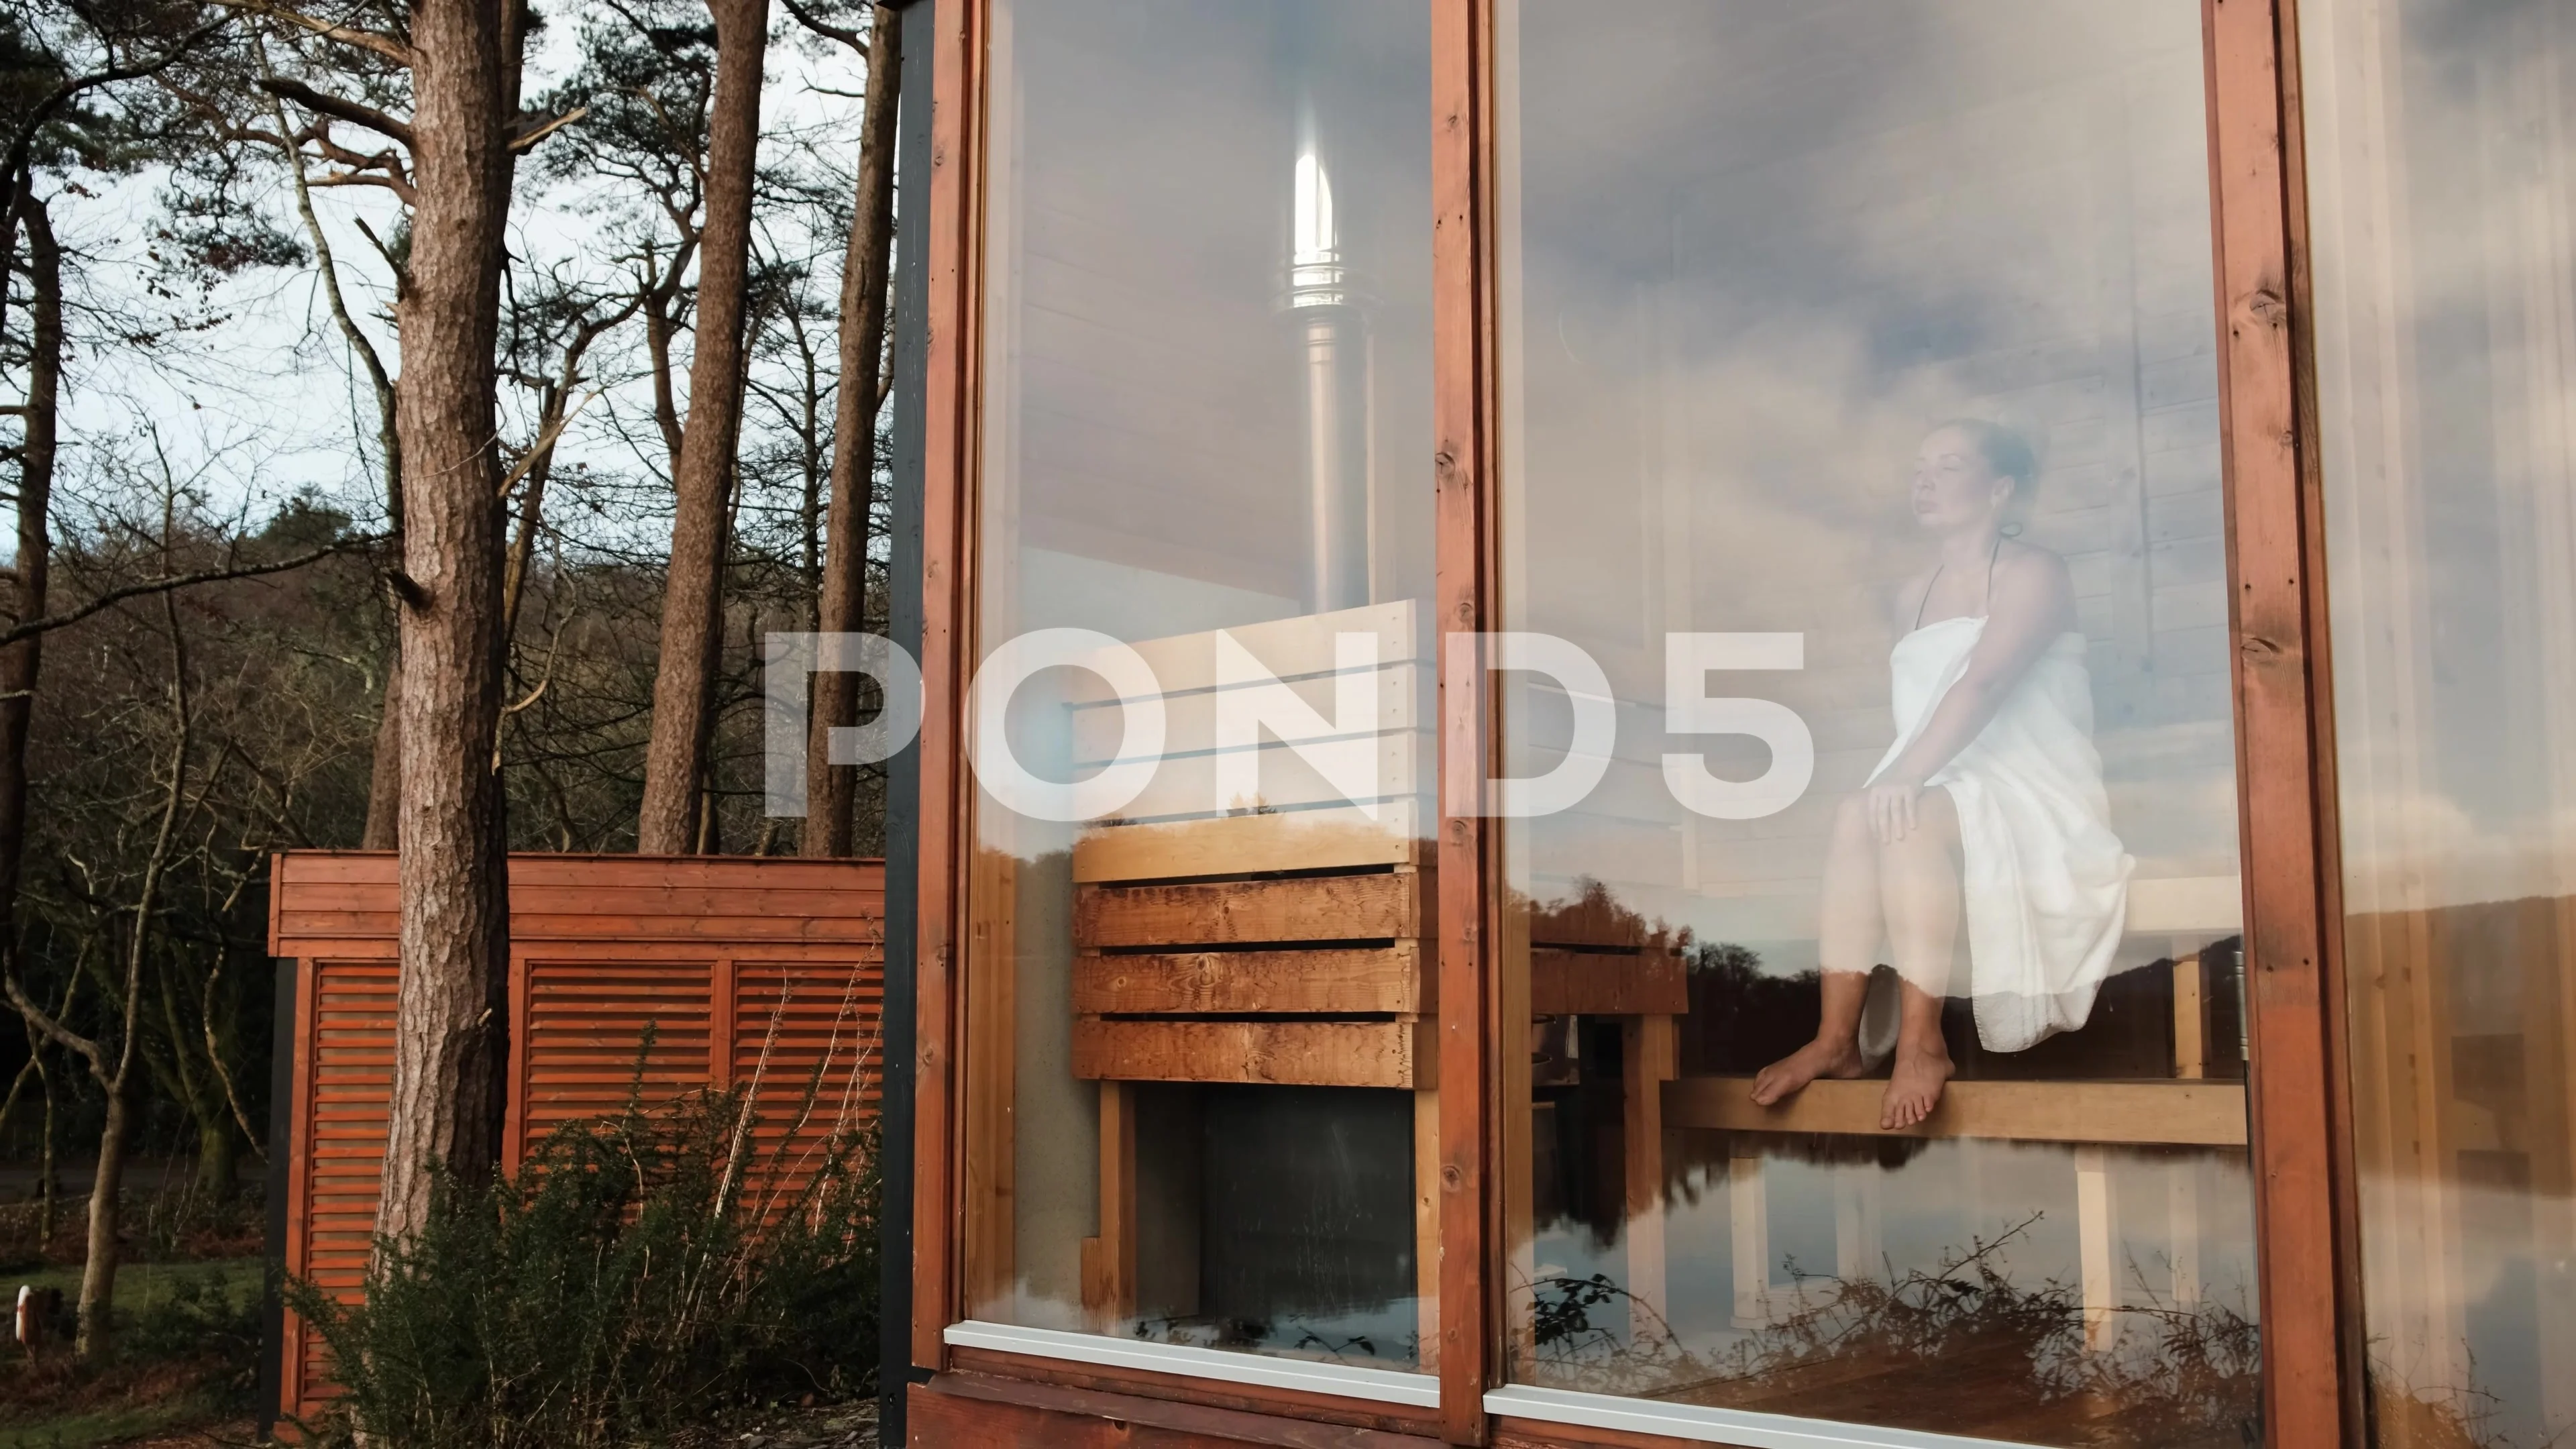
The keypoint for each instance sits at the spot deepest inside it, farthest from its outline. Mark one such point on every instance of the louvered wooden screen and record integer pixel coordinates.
(747, 972)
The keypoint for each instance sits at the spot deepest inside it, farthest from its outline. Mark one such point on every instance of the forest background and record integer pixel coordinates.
(505, 371)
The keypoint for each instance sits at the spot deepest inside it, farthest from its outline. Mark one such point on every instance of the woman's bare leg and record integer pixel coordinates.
(1919, 881)
(1847, 934)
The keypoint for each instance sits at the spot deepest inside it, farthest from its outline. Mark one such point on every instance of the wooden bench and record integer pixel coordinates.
(2184, 1111)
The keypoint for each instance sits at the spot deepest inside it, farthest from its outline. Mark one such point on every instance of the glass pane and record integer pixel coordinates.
(2442, 138)
(1861, 428)
(1195, 982)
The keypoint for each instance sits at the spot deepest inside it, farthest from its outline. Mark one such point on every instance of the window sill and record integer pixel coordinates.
(1384, 1386)
(1735, 1427)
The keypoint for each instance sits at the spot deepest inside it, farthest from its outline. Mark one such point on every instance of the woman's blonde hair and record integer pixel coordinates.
(2005, 451)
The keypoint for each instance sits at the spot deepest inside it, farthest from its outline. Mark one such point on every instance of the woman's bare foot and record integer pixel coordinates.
(1839, 1057)
(1914, 1085)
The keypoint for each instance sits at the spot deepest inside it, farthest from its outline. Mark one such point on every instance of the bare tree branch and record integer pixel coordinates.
(166, 584)
(382, 44)
(337, 108)
(827, 29)
(223, 1074)
(527, 140)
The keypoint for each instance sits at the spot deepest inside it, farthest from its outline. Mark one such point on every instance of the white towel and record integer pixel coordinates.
(2045, 882)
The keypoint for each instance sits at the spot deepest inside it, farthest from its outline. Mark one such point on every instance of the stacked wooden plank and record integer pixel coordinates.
(1315, 980)
(1279, 938)
(1273, 938)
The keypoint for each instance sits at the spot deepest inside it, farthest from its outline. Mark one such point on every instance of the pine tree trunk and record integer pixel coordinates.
(831, 791)
(693, 598)
(107, 1191)
(20, 662)
(384, 776)
(451, 1023)
(218, 1157)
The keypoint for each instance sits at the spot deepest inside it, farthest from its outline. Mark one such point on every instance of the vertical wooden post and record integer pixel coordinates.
(1748, 1204)
(291, 1385)
(1649, 1061)
(2182, 1219)
(2306, 1259)
(2191, 1018)
(2095, 1239)
(514, 1113)
(1462, 472)
(2182, 1175)
(987, 1018)
(1109, 1260)
(946, 638)
(1858, 1252)
(1426, 1222)
(722, 1002)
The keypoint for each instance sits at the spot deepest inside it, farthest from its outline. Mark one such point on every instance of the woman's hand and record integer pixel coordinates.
(1891, 807)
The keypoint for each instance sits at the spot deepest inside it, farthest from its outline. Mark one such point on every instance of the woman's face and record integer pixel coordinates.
(1954, 486)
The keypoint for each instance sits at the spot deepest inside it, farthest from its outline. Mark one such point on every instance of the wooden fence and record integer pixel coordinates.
(725, 958)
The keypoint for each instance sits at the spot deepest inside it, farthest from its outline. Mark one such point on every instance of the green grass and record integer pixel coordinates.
(139, 1286)
(105, 1426)
(133, 1396)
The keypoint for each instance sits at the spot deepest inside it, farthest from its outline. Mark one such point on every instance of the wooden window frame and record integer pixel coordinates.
(2299, 1132)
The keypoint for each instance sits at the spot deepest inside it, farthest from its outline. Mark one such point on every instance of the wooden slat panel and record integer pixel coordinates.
(1363, 981)
(584, 1048)
(323, 899)
(1275, 1053)
(2180, 1114)
(708, 931)
(619, 898)
(1335, 839)
(1390, 767)
(806, 1044)
(1385, 906)
(1286, 647)
(1596, 983)
(344, 1106)
(301, 868)
(1189, 720)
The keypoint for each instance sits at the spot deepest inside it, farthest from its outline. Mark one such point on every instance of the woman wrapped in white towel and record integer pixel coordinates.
(1988, 805)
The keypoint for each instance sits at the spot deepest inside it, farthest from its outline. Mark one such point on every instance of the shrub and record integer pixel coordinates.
(2179, 1374)
(640, 1272)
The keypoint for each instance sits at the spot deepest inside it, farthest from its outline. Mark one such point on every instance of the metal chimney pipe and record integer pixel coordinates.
(1335, 371)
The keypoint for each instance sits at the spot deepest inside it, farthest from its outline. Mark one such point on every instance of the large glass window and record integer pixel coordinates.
(1885, 1037)
(2442, 146)
(1196, 989)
